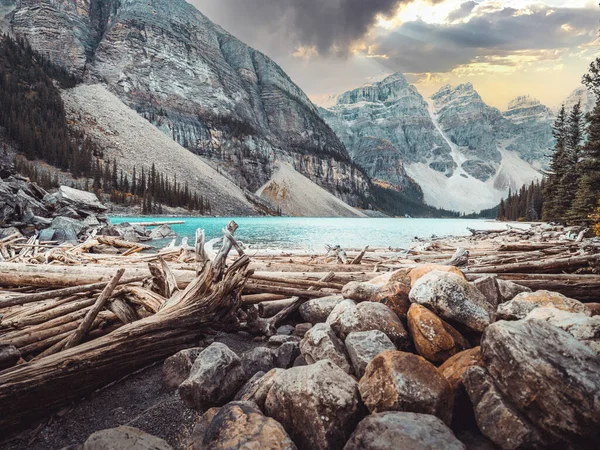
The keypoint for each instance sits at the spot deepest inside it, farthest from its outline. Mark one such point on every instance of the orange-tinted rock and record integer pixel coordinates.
(434, 339)
(398, 381)
(454, 367)
(520, 306)
(420, 272)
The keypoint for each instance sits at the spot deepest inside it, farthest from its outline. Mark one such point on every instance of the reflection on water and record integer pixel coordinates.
(314, 233)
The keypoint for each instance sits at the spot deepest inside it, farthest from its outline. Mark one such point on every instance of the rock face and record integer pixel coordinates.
(363, 346)
(524, 303)
(215, 377)
(319, 405)
(317, 310)
(321, 343)
(397, 381)
(242, 425)
(398, 430)
(230, 102)
(124, 437)
(176, 369)
(348, 317)
(434, 339)
(548, 375)
(453, 298)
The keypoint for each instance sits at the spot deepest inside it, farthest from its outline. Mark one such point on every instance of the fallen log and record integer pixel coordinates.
(555, 265)
(252, 288)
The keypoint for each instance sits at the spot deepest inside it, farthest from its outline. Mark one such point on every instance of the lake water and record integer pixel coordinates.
(313, 234)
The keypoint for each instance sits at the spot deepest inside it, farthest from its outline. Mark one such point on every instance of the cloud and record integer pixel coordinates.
(462, 12)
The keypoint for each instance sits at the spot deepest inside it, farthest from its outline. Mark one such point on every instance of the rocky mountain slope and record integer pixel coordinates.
(581, 94)
(200, 85)
(463, 154)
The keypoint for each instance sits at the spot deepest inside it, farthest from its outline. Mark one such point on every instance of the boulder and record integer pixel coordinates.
(215, 377)
(453, 298)
(434, 339)
(176, 369)
(418, 273)
(547, 374)
(348, 317)
(363, 346)
(301, 329)
(317, 310)
(285, 330)
(496, 418)
(488, 286)
(318, 405)
(197, 435)
(584, 328)
(162, 232)
(258, 387)
(403, 430)
(398, 381)
(9, 356)
(594, 308)
(509, 290)
(524, 303)
(286, 354)
(393, 294)
(240, 425)
(321, 343)
(80, 200)
(124, 438)
(454, 368)
(259, 359)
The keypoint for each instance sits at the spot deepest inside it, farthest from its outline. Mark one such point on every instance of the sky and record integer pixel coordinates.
(504, 48)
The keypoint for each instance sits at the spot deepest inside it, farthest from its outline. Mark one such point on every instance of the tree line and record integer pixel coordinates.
(33, 117)
(525, 204)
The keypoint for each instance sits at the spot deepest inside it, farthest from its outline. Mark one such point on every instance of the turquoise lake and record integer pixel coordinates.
(313, 234)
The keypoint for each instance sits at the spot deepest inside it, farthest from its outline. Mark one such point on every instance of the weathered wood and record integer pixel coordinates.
(460, 258)
(296, 282)
(252, 288)
(356, 261)
(221, 258)
(163, 281)
(91, 315)
(123, 311)
(270, 308)
(120, 243)
(255, 299)
(547, 266)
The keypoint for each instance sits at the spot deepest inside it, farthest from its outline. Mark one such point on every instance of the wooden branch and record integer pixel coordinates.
(164, 282)
(91, 315)
(547, 266)
(221, 258)
(356, 261)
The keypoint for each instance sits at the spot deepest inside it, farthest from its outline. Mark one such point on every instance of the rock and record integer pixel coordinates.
(197, 435)
(524, 303)
(285, 330)
(302, 328)
(215, 377)
(91, 221)
(393, 294)
(317, 310)
(398, 381)
(286, 355)
(278, 340)
(403, 430)
(594, 308)
(496, 418)
(111, 231)
(162, 232)
(318, 405)
(258, 387)
(240, 425)
(348, 317)
(176, 369)
(363, 346)
(509, 290)
(9, 356)
(65, 235)
(79, 200)
(67, 211)
(453, 298)
(300, 361)
(434, 339)
(547, 374)
(488, 286)
(260, 359)
(582, 327)
(454, 368)
(418, 273)
(321, 343)
(9, 231)
(124, 438)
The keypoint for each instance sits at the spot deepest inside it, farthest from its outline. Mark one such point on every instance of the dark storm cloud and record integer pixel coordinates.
(328, 25)
(421, 47)
(463, 11)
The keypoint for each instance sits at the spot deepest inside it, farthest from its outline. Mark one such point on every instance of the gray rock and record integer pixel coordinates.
(9, 356)
(318, 405)
(162, 232)
(547, 374)
(122, 438)
(257, 388)
(520, 306)
(79, 200)
(317, 310)
(300, 361)
(348, 317)
(278, 340)
(64, 223)
(176, 369)
(402, 430)
(454, 299)
(488, 286)
(287, 354)
(321, 343)
(582, 327)
(363, 346)
(215, 377)
(91, 221)
(302, 328)
(285, 330)
(260, 359)
(496, 417)
(509, 290)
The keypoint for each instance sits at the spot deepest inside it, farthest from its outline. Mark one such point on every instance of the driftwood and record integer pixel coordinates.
(555, 265)
(460, 258)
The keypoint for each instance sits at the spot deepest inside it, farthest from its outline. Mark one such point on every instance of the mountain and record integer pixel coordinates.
(459, 152)
(197, 83)
(583, 95)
